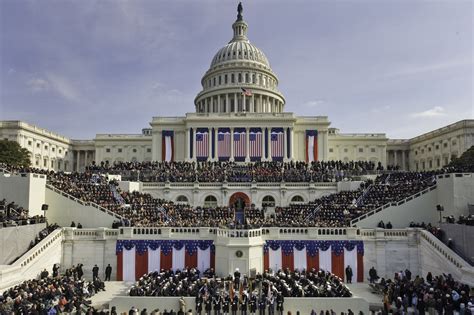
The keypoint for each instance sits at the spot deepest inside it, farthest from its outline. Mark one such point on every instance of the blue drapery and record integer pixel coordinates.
(166, 246)
(312, 247)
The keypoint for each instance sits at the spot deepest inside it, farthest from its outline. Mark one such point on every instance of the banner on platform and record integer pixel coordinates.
(167, 146)
(332, 256)
(311, 145)
(138, 257)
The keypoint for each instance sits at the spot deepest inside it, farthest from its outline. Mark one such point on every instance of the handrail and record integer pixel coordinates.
(34, 252)
(445, 251)
(84, 203)
(393, 203)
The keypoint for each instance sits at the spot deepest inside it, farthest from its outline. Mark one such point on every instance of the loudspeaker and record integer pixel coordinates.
(44, 207)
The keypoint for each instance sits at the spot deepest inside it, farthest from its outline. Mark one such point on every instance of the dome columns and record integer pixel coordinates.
(236, 102)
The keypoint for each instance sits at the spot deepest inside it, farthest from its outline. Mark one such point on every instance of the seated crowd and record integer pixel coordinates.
(440, 294)
(12, 214)
(233, 293)
(320, 171)
(334, 210)
(55, 294)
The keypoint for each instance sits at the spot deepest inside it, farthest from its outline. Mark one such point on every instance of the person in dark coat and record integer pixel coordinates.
(95, 272)
(226, 305)
(235, 304)
(198, 301)
(208, 305)
(216, 300)
(244, 303)
(279, 303)
(271, 304)
(55, 270)
(348, 274)
(373, 275)
(108, 272)
(262, 305)
(253, 304)
(79, 271)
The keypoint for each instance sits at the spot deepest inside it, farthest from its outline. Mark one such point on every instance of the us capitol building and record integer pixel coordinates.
(240, 116)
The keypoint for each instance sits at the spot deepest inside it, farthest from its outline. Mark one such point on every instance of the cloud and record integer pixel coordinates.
(380, 109)
(436, 111)
(313, 103)
(37, 85)
(419, 69)
(63, 87)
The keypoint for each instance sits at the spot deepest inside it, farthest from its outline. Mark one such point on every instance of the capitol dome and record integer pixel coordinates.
(239, 78)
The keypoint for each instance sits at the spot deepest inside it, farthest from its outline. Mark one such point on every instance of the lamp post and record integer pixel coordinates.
(440, 209)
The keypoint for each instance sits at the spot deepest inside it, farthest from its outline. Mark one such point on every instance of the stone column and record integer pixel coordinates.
(227, 104)
(77, 161)
(216, 158)
(86, 157)
(247, 143)
(236, 105)
(270, 144)
(219, 104)
(252, 104)
(403, 160)
(395, 162)
(188, 145)
(194, 144)
(244, 100)
(261, 104)
(232, 144)
(209, 144)
(285, 144)
(291, 144)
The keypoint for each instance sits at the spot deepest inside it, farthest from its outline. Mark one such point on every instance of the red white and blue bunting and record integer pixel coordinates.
(138, 257)
(333, 256)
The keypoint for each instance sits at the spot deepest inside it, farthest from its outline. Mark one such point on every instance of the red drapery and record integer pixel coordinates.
(163, 148)
(360, 267)
(213, 260)
(287, 261)
(141, 264)
(337, 265)
(266, 261)
(315, 148)
(191, 261)
(312, 261)
(120, 266)
(166, 261)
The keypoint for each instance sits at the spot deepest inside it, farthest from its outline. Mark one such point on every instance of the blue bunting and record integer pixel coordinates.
(312, 247)
(166, 246)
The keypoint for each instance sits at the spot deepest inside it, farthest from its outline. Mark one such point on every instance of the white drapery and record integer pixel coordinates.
(128, 264)
(325, 259)
(310, 148)
(300, 261)
(350, 259)
(168, 148)
(178, 259)
(274, 259)
(204, 259)
(154, 259)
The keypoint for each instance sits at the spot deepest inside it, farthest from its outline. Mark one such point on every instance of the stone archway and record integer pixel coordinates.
(239, 195)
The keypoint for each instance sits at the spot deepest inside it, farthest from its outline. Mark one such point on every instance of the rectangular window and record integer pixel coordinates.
(445, 144)
(372, 150)
(107, 150)
(225, 79)
(148, 150)
(46, 147)
(29, 142)
(52, 149)
(361, 150)
(232, 78)
(60, 151)
(346, 150)
(220, 80)
(45, 162)
(119, 150)
(331, 150)
(429, 149)
(37, 145)
(438, 163)
(437, 147)
(453, 142)
(214, 82)
(52, 163)
(431, 164)
(134, 150)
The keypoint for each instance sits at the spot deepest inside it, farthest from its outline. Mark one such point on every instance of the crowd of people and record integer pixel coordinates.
(55, 294)
(433, 294)
(318, 171)
(237, 292)
(12, 214)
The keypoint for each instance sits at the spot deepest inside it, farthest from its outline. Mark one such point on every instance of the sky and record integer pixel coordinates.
(79, 68)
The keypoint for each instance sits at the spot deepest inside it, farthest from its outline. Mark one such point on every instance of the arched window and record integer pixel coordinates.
(182, 199)
(210, 202)
(268, 201)
(297, 199)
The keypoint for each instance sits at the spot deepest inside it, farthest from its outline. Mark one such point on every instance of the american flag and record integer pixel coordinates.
(223, 144)
(277, 144)
(246, 92)
(255, 139)
(202, 144)
(239, 144)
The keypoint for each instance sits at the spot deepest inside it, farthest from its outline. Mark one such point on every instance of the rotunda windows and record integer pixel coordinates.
(268, 201)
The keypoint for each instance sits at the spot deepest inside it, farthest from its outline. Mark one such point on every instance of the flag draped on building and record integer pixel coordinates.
(202, 144)
(167, 146)
(223, 144)
(246, 92)
(255, 144)
(240, 147)
(138, 257)
(277, 144)
(311, 145)
(332, 256)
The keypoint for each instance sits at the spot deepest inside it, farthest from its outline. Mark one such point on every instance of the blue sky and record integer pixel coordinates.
(84, 67)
